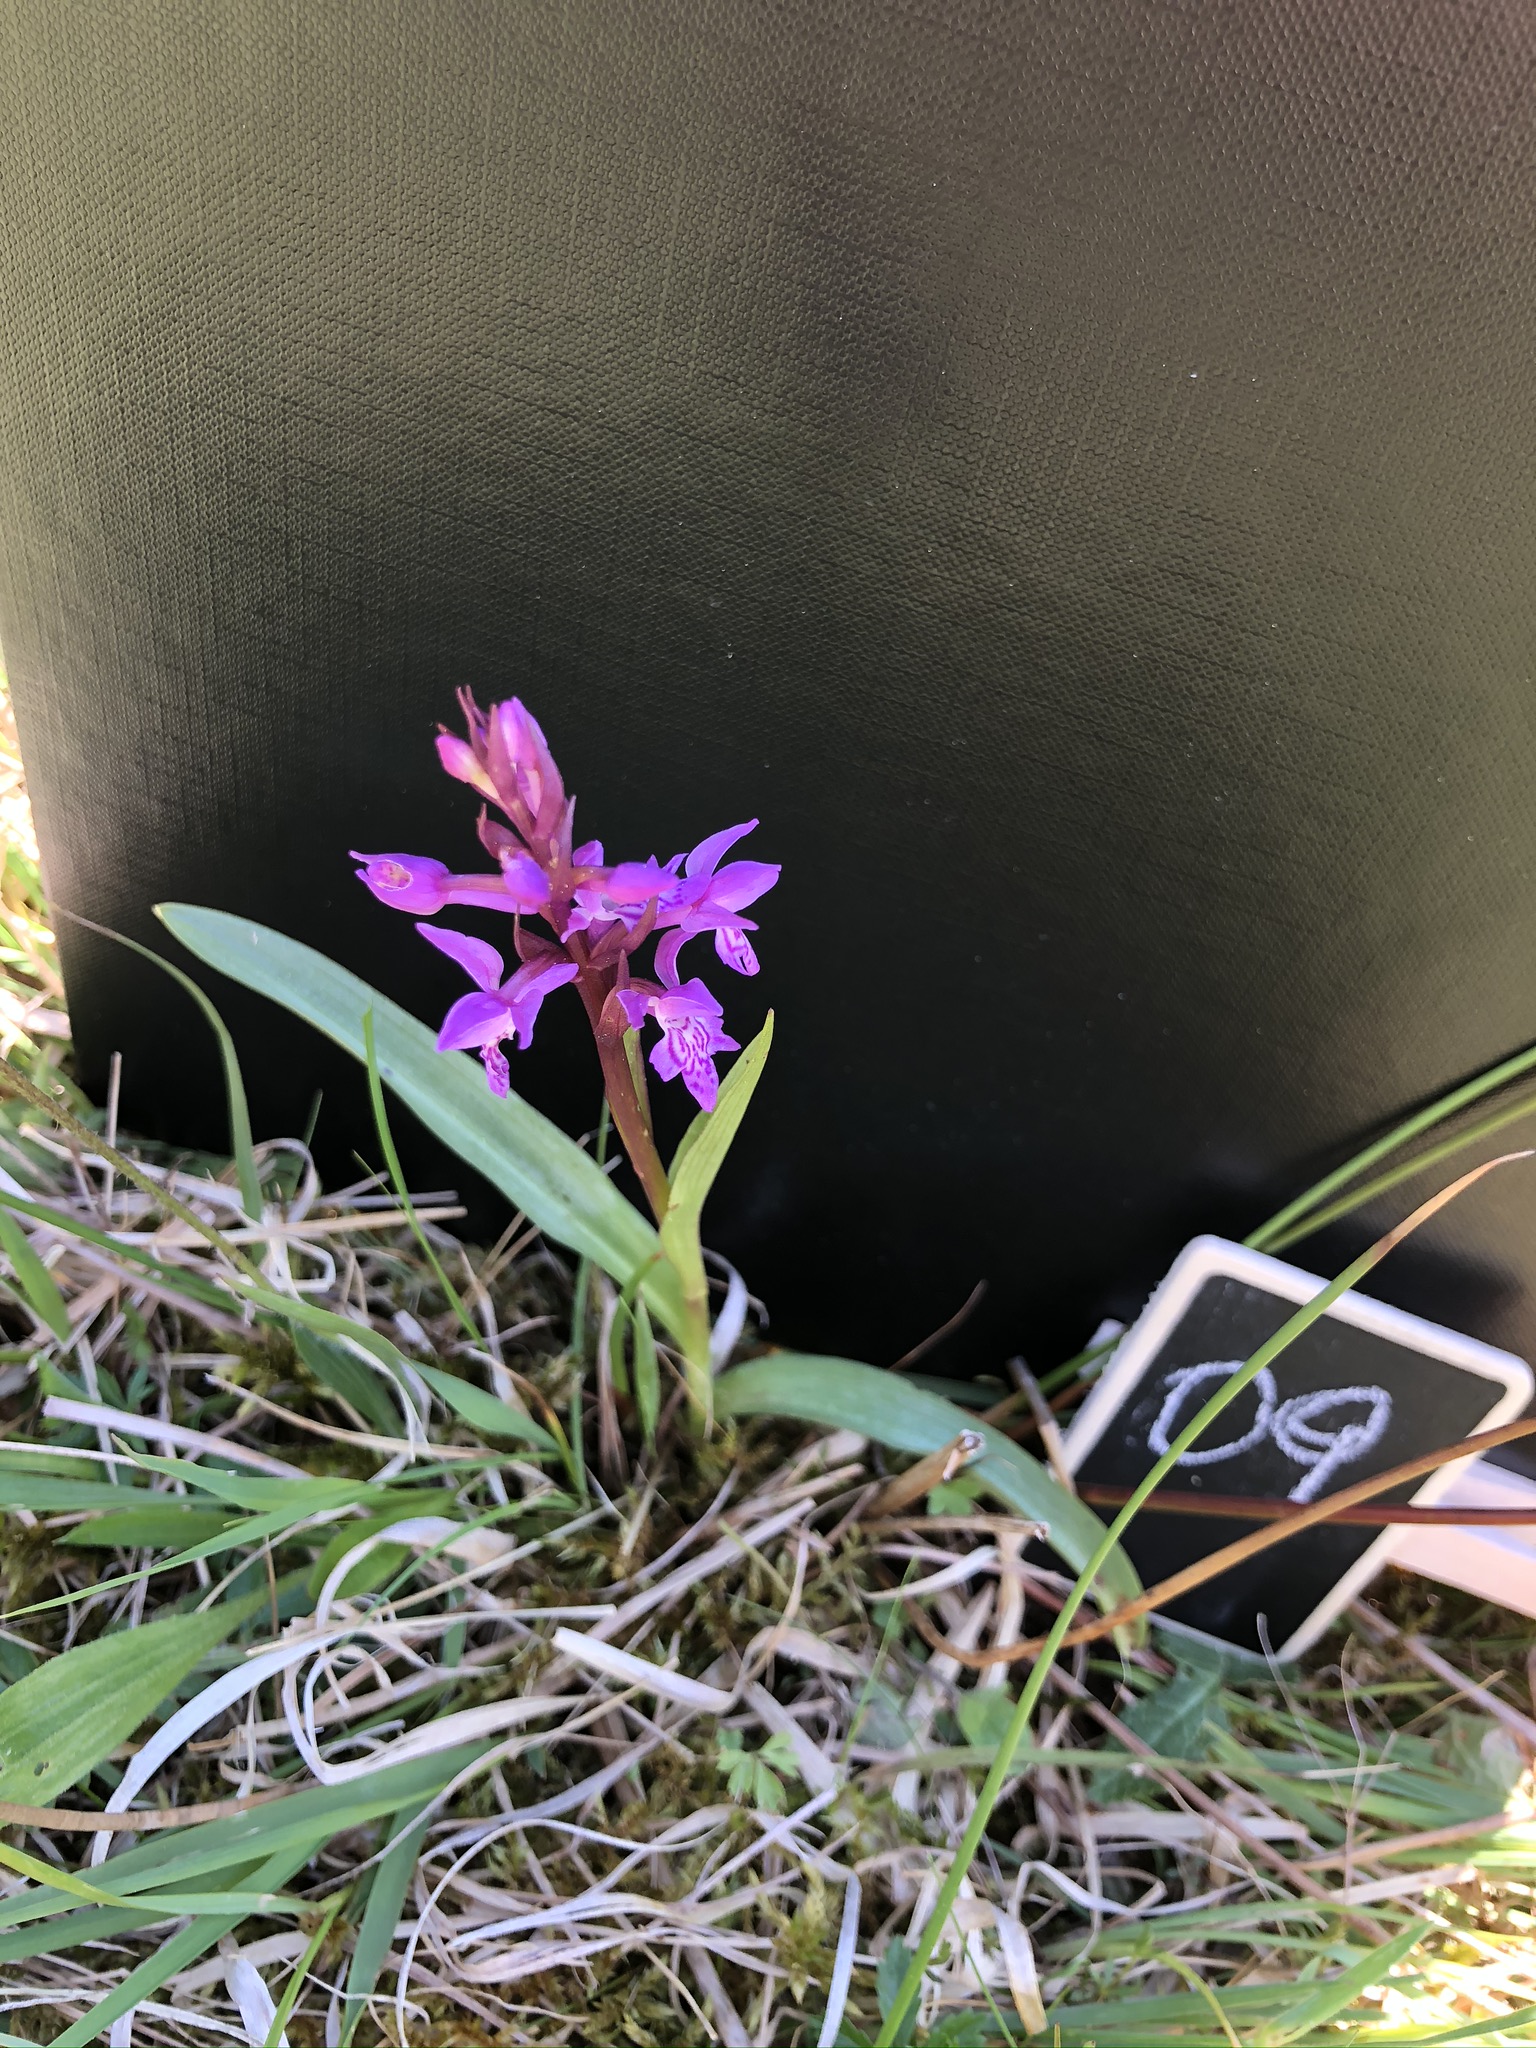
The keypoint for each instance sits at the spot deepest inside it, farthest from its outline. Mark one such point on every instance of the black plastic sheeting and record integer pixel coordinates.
(1067, 469)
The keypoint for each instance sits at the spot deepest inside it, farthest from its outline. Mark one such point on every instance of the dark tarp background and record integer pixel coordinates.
(1067, 468)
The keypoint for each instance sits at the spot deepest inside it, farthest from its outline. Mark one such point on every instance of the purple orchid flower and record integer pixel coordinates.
(717, 898)
(600, 917)
(406, 881)
(690, 1020)
(501, 1009)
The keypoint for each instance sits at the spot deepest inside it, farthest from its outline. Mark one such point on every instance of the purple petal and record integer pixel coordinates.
(734, 948)
(704, 856)
(482, 963)
(405, 881)
(538, 977)
(734, 887)
(590, 855)
(497, 1072)
(526, 882)
(462, 762)
(664, 1059)
(666, 956)
(475, 1020)
(636, 1005)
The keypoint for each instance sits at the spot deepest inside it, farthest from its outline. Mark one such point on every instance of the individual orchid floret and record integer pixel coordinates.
(711, 898)
(463, 763)
(527, 782)
(690, 1020)
(624, 894)
(406, 881)
(500, 1009)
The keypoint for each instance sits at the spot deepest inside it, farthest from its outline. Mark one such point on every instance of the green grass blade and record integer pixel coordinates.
(485, 1412)
(533, 1163)
(182, 1949)
(646, 1371)
(386, 1896)
(836, 1393)
(1323, 2002)
(1264, 1238)
(33, 1278)
(1034, 1685)
(295, 1984)
(171, 1523)
(340, 1372)
(1372, 1190)
(242, 1151)
(397, 1180)
(62, 1719)
(281, 1308)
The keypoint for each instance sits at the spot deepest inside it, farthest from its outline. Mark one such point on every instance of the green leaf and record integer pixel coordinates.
(256, 1493)
(61, 1720)
(699, 1158)
(984, 1717)
(241, 1149)
(1325, 2000)
(889, 1972)
(533, 1163)
(646, 1371)
(485, 1412)
(171, 1522)
(1173, 1720)
(837, 1393)
(341, 1372)
(33, 1278)
(709, 1137)
(386, 1896)
(45, 1496)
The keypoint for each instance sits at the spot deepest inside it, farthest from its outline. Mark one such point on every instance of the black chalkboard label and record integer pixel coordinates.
(1365, 1388)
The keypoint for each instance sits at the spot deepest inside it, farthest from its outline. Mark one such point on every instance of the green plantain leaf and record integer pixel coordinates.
(59, 1721)
(837, 1393)
(534, 1164)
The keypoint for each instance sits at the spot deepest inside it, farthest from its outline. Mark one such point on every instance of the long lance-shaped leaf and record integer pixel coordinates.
(533, 1163)
(59, 1721)
(837, 1393)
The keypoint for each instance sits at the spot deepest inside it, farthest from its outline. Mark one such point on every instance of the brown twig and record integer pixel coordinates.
(1237, 1507)
(947, 1329)
(1230, 1554)
(937, 1469)
(69, 1822)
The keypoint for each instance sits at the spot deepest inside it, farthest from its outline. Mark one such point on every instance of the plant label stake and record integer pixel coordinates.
(1365, 1388)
